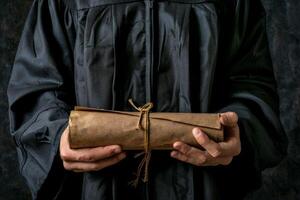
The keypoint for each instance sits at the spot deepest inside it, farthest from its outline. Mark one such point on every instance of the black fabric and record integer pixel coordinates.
(184, 56)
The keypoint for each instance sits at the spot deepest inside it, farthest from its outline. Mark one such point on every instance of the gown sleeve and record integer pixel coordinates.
(40, 90)
(248, 83)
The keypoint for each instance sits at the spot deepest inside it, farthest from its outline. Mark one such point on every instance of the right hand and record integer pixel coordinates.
(88, 159)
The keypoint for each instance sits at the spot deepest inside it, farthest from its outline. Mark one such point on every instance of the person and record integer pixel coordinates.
(182, 55)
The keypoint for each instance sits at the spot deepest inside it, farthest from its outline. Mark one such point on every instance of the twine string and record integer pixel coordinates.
(144, 111)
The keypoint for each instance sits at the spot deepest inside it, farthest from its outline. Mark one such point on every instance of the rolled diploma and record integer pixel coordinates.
(91, 127)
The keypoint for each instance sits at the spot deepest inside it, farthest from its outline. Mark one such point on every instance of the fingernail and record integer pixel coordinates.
(117, 150)
(174, 153)
(176, 145)
(197, 131)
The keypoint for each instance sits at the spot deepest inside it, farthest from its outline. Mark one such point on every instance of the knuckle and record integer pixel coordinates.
(201, 160)
(95, 167)
(217, 152)
(183, 158)
(188, 151)
(67, 166)
(185, 149)
(64, 155)
(85, 158)
(81, 157)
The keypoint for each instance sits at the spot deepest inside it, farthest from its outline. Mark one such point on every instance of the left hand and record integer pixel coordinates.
(214, 153)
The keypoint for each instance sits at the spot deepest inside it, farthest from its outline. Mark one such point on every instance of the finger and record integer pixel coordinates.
(231, 147)
(86, 154)
(183, 148)
(217, 161)
(232, 144)
(87, 167)
(229, 119)
(93, 166)
(213, 148)
(225, 160)
(192, 154)
(209, 161)
(90, 154)
(178, 155)
(194, 160)
(64, 138)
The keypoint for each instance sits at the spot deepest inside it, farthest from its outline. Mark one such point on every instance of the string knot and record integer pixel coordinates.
(145, 109)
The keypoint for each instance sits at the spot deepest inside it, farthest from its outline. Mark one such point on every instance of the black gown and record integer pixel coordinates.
(183, 55)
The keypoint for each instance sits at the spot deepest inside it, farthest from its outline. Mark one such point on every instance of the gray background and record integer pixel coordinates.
(283, 21)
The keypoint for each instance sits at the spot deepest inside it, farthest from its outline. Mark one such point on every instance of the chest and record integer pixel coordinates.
(144, 49)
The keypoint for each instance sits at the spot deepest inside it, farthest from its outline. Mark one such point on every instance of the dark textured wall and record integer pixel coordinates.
(283, 181)
(279, 183)
(12, 16)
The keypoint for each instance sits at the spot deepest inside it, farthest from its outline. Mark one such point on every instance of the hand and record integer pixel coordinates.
(214, 153)
(88, 159)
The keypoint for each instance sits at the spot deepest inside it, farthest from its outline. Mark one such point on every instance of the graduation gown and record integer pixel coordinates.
(183, 55)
